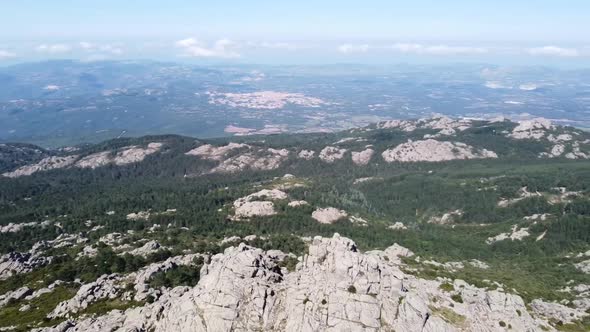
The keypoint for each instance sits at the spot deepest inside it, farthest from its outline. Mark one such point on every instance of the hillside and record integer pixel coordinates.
(443, 225)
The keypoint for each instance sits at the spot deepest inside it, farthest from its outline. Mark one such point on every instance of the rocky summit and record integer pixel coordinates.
(334, 287)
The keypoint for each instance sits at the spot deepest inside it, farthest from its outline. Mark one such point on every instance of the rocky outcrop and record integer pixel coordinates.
(147, 249)
(531, 129)
(431, 150)
(445, 125)
(362, 158)
(397, 226)
(252, 157)
(141, 277)
(330, 154)
(328, 215)
(16, 263)
(13, 228)
(556, 311)
(515, 234)
(583, 266)
(446, 218)
(217, 153)
(14, 295)
(124, 156)
(105, 287)
(258, 204)
(333, 288)
(306, 154)
(49, 163)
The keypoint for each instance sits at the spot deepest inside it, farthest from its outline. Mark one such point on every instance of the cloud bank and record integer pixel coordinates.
(554, 51)
(222, 48)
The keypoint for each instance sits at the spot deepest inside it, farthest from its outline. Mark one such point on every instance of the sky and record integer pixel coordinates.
(302, 31)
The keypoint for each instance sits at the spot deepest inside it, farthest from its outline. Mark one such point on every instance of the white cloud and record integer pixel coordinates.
(278, 45)
(222, 48)
(54, 48)
(6, 55)
(554, 51)
(350, 48)
(113, 49)
(438, 49)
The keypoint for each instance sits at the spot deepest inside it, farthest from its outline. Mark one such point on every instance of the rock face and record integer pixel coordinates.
(531, 129)
(557, 311)
(121, 157)
(333, 288)
(141, 277)
(362, 158)
(431, 150)
(49, 163)
(328, 215)
(253, 158)
(124, 156)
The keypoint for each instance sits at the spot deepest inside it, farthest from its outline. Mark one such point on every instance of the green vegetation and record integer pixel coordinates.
(409, 193)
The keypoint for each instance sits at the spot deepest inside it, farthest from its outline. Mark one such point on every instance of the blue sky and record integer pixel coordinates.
(527, 31)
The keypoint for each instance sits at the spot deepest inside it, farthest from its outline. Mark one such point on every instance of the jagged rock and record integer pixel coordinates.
(16, 263)
(330, 154)
(328, 215)
(105, 287)
(44, 290)
(141, 277)
(362, 158)
(333, 288)
(14, 295)
(556, 311)
(431, 150)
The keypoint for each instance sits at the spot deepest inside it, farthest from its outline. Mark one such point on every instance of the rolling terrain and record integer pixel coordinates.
(436, 224)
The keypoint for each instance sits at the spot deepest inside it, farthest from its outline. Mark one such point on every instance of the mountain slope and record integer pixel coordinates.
(107, 234)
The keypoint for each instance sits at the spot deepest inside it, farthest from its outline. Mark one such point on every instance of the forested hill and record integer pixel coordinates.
(501, 205)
